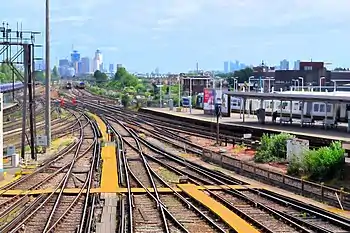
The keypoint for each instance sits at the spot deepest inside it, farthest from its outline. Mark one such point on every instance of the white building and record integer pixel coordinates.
(97, 61)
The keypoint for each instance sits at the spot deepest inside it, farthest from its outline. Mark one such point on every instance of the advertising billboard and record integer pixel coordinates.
(208, 100)
(225, 105)
(211, 97)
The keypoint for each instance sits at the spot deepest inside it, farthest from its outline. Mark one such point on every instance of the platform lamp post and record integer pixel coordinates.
(221, 86)
(235, 83)
(160, 95)
(321, 83)
(249, 80)
(296, 83)
(190, 95)
(179, 80)
(302, 83)
(335, 85)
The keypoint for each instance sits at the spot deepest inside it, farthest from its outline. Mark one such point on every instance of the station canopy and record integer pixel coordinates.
(329, 97)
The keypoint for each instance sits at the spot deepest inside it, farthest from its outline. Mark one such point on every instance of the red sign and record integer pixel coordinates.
(74, 101)
(62, 103)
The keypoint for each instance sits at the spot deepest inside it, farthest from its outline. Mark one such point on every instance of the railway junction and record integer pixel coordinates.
(116, 170)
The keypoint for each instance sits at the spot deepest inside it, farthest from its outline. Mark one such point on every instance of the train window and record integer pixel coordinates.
(316, 107)
(329, 107)
(322, 107)
(296, 105)
(270, 104)
(284, 105)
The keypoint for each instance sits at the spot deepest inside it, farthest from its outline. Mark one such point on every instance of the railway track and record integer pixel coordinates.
(262, 211)
(56, 211)
(151, 214)
(148, 151)
(188, 136)
(252, 209)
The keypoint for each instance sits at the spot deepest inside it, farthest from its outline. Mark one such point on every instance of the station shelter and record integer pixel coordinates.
(301, 98)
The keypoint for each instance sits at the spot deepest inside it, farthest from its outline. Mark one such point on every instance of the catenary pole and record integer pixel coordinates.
(47, 74)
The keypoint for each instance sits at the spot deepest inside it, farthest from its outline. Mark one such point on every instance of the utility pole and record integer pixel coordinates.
(47, 74)
(17, 48)
(218, 114)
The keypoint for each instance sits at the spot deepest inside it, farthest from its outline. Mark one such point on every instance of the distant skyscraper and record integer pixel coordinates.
(297, 65)
(75, 58)
(63, 65)
(284, 65)
(226, 68)
(97, 61)
(85, 65)
(80, 68)
(119, 66)
(111, 68)
(156, 71)
(63, 62)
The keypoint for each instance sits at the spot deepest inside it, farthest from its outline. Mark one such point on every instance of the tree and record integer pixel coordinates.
(242, 75)
(39, 76)
(6, 73)
(341, 69)
(121, 72)
(125, 100)
(55, 75)
(100, 77)
(124, 78)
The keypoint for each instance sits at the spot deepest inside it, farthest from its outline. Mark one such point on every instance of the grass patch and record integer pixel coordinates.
(168, 175)
(60, 143)
(238, 149)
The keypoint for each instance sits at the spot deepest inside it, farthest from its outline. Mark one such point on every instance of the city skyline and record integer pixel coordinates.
(147, 34)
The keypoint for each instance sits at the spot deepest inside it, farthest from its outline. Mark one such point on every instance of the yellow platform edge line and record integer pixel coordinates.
(102, 126)
(4, 183)
(109, 176)
(233, 220)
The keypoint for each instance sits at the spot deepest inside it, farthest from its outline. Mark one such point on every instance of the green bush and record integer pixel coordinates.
(321, 164)
(272, 148)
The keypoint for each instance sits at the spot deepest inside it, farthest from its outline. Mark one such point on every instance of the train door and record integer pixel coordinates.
(347, 111)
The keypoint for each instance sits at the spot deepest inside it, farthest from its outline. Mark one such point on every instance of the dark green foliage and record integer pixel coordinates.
(321, 164)
(272, 148)
(126, 99)
(242, 75)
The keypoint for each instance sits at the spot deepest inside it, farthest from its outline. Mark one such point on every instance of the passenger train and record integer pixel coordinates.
(69, 85)
(314, 110)
(79, 85)
(6, 87)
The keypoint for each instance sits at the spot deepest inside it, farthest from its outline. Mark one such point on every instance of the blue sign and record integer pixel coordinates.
(185, 101)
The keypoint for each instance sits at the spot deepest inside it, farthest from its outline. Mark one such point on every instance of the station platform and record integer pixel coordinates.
(9, 105)
(109, 177)
(251, 123)
(223, 212)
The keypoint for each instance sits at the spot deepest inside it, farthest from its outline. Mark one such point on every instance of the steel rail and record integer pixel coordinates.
(64, 184)
(20, 220)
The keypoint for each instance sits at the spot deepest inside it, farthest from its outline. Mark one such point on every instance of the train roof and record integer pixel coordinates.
(333, 97)
(9, 84)
(314, 93)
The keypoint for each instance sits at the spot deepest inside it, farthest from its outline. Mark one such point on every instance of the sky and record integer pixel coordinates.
(175, 34)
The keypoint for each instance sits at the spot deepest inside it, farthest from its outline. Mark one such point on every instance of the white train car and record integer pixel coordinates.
(314, 110)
